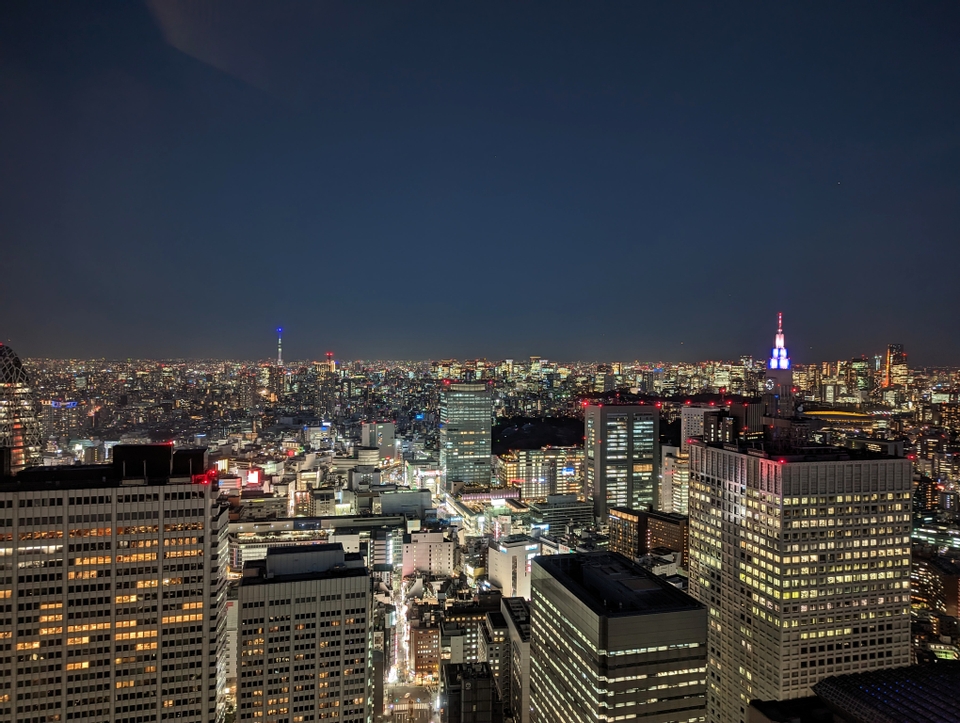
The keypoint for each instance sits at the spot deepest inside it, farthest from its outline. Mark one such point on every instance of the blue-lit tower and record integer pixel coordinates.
(279, 346)
(778, 357)
(778, 384)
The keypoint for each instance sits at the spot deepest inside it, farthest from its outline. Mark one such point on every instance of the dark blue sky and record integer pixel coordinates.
(575, 180)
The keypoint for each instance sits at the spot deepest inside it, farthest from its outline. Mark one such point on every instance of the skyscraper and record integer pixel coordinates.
(778, 380)
(465, 431)
(20, 431)
(610, 640)
(803, 559)
(622, 450)
(304, 637)
(118, 596)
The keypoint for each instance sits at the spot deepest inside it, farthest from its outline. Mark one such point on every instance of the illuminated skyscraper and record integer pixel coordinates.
(465, 431)
(611, 641)
(895, 366)
(119, 595)
(622, 451)
(778, 381)
(803, 560)
(19, 422)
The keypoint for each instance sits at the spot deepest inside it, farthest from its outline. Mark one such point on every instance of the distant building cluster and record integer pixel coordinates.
(476, 541)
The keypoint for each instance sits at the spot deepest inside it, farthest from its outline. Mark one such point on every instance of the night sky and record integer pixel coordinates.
(424, 180)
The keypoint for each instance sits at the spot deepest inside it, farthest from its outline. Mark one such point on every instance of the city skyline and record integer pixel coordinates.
(329, 356)
(656, 176)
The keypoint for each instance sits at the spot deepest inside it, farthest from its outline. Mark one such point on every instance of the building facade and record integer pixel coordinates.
(118, 595)
(622, 456)
(465, 431)
(20, 430)
(803, 559)
(609, 639)
(542, 472)
(304, 639)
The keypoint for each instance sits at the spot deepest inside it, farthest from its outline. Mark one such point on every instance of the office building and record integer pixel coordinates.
(935, 584)
(463, 620)
(539, 473)
(494, 644)
(427, 552)
(469, 694)
(561, 513)
(60, 419)
(894, 366)
(509, 563)
(118, 597)
(425, 648)
(803, 558)
(20, 430)
(609, 639)
(635, 533)
(381, 435)
(674, 479)
(305, 637)
(622, 450)
(465, 428)
(516, 613)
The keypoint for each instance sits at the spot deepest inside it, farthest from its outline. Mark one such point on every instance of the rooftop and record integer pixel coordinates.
(612, 585)
(143, 464)
(915, 694)
(785, 452)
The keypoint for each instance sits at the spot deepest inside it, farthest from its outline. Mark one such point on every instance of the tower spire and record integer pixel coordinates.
(778, 356)
(279, 346)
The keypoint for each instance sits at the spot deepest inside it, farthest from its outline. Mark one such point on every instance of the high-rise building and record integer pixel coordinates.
(516, 613)
(465, 431)
(609, 639)
(803, 559)
(542, 472)
(304, 638)
(470, 694)
(60, 419)
(622, 450)
(635, 533)
(778, 378)
(118, 598)
(674, 479)
(20, 430)
(494, 650)
(894, 364)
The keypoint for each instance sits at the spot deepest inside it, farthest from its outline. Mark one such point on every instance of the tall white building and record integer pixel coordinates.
(803, 559)
(465, 430)
(304, 638)
(622, 451)
(114, 590)
(611, 641)
(509, 563)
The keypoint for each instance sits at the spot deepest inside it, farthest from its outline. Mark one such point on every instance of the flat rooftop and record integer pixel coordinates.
(914, 694)
(612, 585)
(796, 453)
